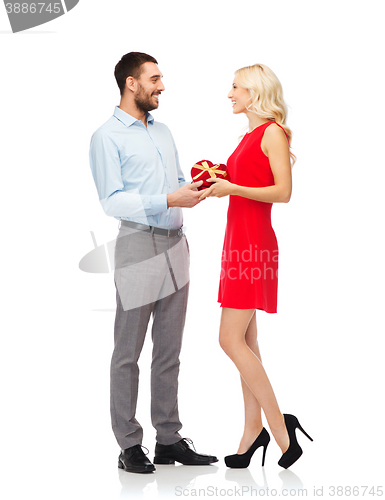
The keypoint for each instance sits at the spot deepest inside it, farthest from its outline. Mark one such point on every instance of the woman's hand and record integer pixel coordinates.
(220, 188)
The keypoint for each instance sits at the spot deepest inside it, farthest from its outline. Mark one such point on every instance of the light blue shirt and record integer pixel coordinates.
(134, 168)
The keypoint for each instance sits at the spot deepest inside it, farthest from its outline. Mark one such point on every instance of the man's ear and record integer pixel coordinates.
(131, 83)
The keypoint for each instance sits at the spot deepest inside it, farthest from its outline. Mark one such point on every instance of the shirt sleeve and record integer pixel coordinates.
(106, 171)
(181, 179)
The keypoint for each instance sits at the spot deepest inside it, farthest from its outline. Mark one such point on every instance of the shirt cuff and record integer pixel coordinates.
(158, 203)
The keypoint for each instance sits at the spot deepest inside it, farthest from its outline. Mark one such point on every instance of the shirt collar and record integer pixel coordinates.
(127, 119)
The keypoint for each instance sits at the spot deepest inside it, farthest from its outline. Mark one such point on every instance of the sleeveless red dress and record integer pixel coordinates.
(249, 270)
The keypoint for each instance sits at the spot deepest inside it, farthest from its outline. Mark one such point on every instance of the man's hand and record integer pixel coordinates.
(220, 188)
(187, 196)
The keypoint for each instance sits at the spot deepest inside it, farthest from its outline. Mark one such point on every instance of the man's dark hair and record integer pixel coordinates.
(131, 65)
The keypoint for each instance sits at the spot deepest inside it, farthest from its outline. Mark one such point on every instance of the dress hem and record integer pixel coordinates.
(253, 307)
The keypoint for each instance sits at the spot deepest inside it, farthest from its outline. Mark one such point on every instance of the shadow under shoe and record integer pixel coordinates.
(241, 461)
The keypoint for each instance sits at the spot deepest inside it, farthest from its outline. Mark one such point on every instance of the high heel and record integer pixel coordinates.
(294, 451)
(241, 461)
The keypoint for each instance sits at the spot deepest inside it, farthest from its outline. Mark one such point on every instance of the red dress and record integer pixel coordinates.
(249, 271)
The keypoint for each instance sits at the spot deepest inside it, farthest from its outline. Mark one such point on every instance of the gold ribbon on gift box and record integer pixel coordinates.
(211, 170)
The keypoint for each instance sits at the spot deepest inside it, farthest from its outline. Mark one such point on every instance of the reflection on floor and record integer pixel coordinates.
(185, 481)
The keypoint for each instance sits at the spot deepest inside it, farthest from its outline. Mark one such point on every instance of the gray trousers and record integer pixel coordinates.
(151, 278)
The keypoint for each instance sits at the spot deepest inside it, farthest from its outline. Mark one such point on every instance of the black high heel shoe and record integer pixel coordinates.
(294, 451)
(242, 461)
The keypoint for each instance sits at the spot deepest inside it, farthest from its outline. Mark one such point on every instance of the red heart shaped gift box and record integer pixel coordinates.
(205, 169)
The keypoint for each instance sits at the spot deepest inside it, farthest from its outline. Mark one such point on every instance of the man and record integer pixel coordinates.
(136, 169)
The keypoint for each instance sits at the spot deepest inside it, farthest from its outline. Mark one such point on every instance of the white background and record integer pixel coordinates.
(323, 350)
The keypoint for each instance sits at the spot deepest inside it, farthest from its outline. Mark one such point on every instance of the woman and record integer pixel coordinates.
(260, 175)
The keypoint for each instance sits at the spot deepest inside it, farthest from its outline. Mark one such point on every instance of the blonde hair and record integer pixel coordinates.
(266, 95)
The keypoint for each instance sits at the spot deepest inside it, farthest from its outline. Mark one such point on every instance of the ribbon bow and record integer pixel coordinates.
(211, 170)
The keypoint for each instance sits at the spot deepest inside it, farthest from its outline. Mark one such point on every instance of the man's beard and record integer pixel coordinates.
(143, 101)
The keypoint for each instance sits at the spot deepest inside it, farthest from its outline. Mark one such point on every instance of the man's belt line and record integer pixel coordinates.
(152, 229)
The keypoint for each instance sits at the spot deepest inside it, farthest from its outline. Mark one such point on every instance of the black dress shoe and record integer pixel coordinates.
(134, 460)
(182, 453)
